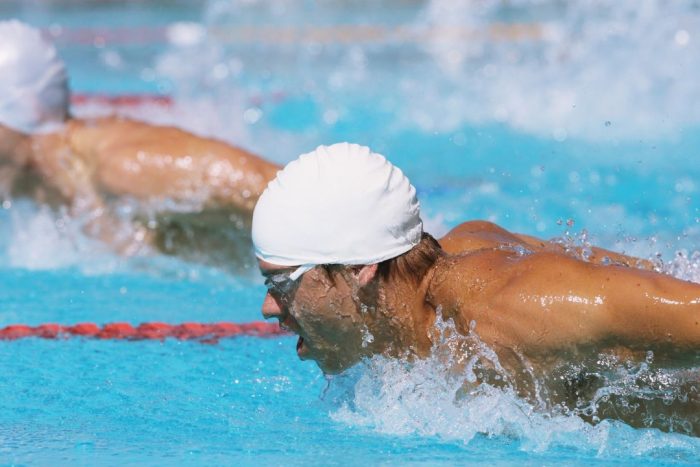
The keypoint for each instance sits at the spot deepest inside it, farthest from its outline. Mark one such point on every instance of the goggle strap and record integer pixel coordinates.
(301, 270)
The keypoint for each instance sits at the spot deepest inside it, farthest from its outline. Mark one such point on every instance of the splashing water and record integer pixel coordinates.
(589, 69)
(41, 238)
(462, 392)
(684, 266)
(598, 70)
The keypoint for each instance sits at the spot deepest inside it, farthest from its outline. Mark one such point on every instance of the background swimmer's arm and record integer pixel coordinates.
(552, 300)
(71, 175)
(64, 170)
(165, 163)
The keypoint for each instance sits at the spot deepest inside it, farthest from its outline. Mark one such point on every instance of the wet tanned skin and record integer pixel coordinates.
(537, 304)
(549, 300)
(120, 157)
(88, 162)
(335, 310)
(547, 311)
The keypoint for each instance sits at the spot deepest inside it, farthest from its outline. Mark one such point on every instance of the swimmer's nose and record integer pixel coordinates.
(270, 307)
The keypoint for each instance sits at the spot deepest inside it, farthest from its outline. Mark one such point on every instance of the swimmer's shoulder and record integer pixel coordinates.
(116, 132)
(475, 235)
(115, 135)
(93, 135)
(116, 126)
(466, 282)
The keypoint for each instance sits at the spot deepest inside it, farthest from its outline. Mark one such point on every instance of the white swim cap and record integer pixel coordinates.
(33, 83)
(340, 204)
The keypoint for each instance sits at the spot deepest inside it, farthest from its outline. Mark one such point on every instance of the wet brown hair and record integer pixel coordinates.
(413, 264)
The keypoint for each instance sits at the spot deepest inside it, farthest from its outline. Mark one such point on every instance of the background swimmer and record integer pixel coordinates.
(47, 154)
(339, 240)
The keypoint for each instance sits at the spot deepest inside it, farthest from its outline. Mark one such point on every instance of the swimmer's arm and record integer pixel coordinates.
(71, 175)
(552, 300)
(151, 162)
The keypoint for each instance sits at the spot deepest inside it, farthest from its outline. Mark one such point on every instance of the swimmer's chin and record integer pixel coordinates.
(329, 366)
(333, 367)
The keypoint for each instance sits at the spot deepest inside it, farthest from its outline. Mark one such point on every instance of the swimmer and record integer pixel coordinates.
(83, 163)
(348, 267)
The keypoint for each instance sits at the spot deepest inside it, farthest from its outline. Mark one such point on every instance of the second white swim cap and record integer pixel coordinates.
(33, 83)
(340, 204)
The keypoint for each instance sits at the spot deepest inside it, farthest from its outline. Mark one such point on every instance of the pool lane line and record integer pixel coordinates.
(122, 100)
(203, 332)
(161, 100)
(283, 35)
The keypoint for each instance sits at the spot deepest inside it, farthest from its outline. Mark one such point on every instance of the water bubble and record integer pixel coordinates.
(560, 135)
(220, 71)
(252, 115)
(112, 59)
(682, 37)
(459, 139)
(185, 33)
(330, 117)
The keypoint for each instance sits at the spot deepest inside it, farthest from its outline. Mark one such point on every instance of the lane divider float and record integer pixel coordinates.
(121, 100)
(283, 35)
(160, 100)
(203, 332)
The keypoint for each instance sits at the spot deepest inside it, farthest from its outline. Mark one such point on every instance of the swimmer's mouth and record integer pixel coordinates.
(301, 348)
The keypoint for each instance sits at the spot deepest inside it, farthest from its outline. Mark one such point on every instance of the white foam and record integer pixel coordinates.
(39, 240)
(597, 70)
(428, 398)
(684, 265)
(594, 70)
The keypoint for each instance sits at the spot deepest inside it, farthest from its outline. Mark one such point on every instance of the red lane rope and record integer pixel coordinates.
(135, 100)
(122, 100)
(204, 332)
(103, 36)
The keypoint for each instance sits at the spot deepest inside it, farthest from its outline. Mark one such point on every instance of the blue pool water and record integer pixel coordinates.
(586, 131)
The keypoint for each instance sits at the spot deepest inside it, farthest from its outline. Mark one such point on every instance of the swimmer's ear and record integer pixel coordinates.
(366, 273)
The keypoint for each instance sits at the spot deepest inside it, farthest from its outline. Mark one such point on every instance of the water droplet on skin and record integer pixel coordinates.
(367, 338)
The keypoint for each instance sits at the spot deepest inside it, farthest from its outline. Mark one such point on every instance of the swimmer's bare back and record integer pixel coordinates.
(125, 157)
(89, 161)
(546, 299)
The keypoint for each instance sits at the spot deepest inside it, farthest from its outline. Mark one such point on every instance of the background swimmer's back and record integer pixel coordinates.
(153, 162)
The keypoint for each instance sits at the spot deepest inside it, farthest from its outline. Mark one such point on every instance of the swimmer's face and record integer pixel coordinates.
(320, 308)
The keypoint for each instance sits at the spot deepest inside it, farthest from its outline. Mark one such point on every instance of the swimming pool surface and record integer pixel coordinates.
(579, 121)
